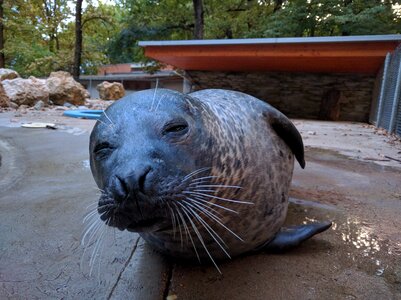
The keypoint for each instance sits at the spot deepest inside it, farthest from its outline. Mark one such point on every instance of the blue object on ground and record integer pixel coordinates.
(84, 113)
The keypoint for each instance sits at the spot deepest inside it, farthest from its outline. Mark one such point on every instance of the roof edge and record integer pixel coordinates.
(282, 40)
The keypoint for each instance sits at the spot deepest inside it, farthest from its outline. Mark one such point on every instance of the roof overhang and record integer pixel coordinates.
(134, 76)
(351, 54)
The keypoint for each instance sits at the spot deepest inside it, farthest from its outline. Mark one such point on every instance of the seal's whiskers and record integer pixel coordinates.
(215, 197)
(218, 186)
(196, 172)
(111, 122)
(173, 219)
(91, 205)
(216, 219)
(219, 241)
(199, 179)
(90, 232)
(93, 234)
(197, 199)
(95, 250)
(105, 124)
(188, 233)
(154, 94)
(107, 229)
(90, 215)
(200, 238)
(158, 103)
(205, 206)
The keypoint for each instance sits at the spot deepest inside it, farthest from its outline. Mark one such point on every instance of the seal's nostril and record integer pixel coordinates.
(122, 187)
(142, 180)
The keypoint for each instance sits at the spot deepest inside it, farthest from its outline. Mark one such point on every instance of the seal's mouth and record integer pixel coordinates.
(149, 225)
(127, 219)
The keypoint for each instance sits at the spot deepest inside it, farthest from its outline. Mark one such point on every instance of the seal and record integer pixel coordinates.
(202, 175)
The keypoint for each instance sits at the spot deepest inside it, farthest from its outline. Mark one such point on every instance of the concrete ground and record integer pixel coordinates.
(46, 188)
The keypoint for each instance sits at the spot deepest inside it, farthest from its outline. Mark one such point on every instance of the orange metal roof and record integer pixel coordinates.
(360, 54)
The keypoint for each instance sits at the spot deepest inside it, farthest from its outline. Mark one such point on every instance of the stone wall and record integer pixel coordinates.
(298, 95)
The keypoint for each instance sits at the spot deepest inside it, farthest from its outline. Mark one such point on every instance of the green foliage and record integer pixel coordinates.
(330, 17)
(173, 19)
(39, 34)
(100, 24)
(234, 18)
(150, 19)
(39, 37)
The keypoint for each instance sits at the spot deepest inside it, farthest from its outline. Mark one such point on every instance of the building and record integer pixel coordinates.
(133, 78)
(331, 78)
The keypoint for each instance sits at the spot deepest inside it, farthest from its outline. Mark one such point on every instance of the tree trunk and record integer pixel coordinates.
(198, 10)
(78, 41)
(344, 32)
(2, 57)
(277, 5)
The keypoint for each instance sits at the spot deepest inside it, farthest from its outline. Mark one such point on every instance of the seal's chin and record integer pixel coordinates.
(150, 225)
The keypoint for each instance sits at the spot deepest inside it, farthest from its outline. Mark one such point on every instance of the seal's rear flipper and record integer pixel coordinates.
(291, 237)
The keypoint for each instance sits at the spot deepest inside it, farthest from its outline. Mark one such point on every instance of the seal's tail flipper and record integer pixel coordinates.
(291, 237)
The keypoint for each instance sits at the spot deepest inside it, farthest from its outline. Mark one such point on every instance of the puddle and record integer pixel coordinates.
(357, 242)
(71, 130)
(86, 164)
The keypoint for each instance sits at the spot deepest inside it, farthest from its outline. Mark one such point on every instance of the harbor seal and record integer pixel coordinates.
(202, 175)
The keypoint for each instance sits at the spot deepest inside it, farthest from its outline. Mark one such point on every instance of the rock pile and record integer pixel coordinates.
(8, 74)
(59, 88)
(63, 88)
(26, 91)
(110, 90)
(4, 102)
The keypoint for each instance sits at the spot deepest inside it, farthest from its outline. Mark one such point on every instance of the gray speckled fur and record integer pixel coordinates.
(241, 134)
(236, 140)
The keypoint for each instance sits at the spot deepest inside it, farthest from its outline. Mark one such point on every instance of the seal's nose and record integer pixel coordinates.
(123, 186)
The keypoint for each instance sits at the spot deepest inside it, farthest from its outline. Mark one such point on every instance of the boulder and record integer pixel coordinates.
(110, 90)
(26, 91)
(4, 100)
(8, 74)
(63, 88)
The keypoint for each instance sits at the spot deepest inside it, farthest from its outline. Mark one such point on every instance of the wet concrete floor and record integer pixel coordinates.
(46, 187)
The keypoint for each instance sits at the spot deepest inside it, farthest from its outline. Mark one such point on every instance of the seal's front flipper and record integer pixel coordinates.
(291, 237)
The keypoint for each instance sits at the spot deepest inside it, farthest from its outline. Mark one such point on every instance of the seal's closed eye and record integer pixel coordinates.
(102, 150)
(176, 127)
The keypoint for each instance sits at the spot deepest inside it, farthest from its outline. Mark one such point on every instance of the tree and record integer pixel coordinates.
(78, 40)
(27, 36)
(39, 35)
(51, 14)
(330, 18)
(199, 21)
(2, 57)
(99, 24)
(150, 19)
(234, 18)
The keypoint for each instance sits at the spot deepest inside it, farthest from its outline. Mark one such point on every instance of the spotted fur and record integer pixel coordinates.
(238, 141)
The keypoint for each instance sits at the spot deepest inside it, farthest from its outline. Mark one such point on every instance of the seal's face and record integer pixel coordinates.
(141, 152)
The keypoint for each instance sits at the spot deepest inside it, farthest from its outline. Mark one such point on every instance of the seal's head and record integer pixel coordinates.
(141, 152)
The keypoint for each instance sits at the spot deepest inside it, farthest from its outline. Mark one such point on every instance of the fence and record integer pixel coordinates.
(387, 113)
